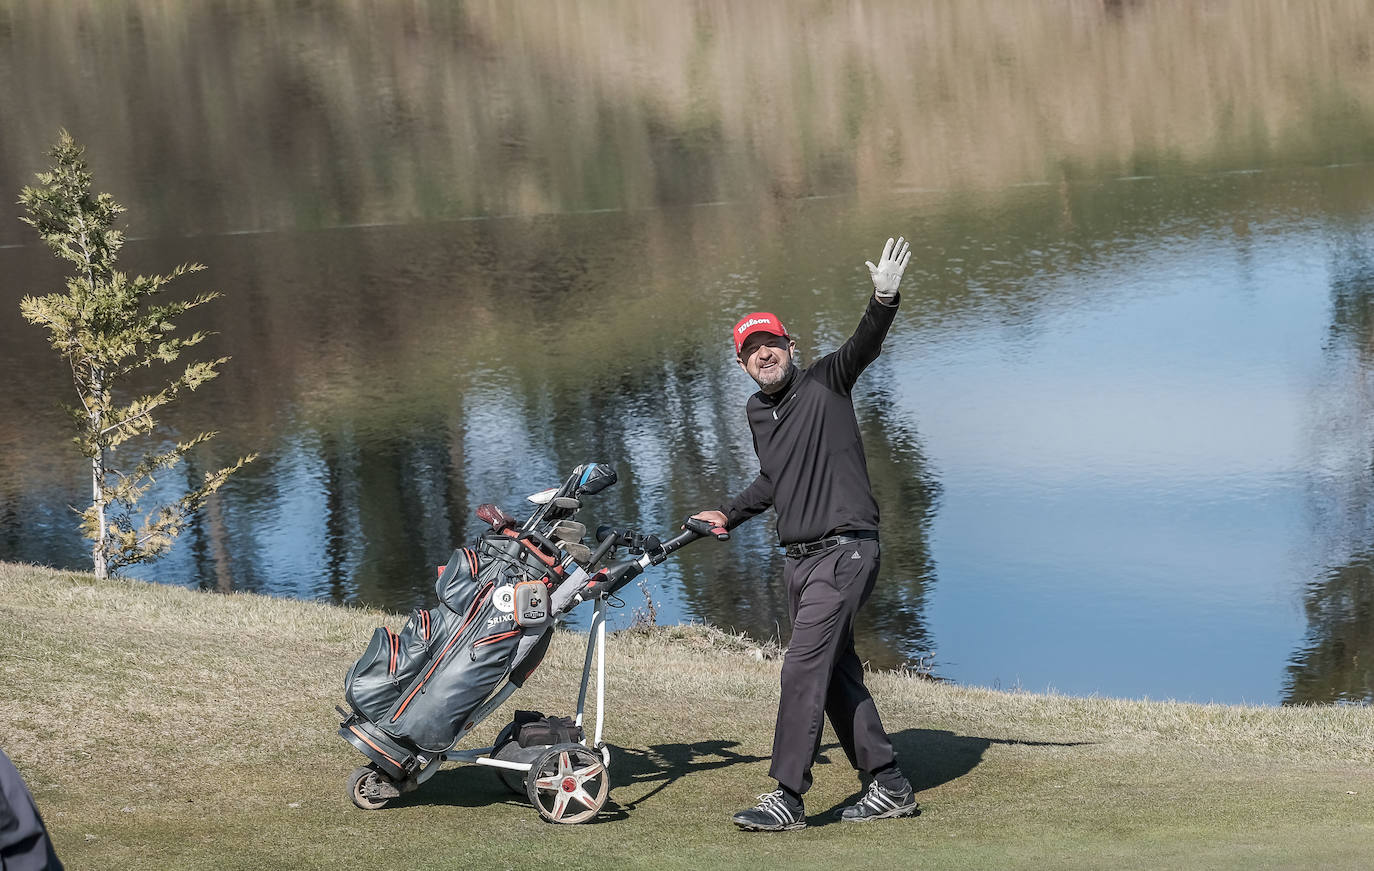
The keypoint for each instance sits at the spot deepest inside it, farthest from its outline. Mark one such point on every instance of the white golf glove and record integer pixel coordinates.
(888, 273)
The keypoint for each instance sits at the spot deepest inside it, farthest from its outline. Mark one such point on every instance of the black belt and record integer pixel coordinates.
(809, 548)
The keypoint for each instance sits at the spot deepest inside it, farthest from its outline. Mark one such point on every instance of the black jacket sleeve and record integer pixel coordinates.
(843, 366)
(755, 499)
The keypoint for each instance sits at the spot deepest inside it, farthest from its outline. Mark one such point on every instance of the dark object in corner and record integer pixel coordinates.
(24, 843)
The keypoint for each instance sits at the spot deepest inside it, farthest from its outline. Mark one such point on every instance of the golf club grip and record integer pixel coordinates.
(494, 516)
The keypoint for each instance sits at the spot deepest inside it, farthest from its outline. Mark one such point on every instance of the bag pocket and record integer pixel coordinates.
(370, 686)
(457, 584)
(413, 644)
(495, 639)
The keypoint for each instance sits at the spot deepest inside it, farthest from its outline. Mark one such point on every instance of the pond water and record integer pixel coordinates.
(1120, 433)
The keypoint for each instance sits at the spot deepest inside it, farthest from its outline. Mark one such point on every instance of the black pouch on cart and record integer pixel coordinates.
(526, 737)
(533, 729)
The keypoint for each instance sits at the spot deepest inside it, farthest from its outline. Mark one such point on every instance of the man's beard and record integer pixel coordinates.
(771, 380)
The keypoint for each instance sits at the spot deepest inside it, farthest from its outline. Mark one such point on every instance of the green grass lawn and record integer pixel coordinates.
(163, 728)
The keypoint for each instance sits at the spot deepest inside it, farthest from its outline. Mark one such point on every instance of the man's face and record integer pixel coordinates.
(768, 359)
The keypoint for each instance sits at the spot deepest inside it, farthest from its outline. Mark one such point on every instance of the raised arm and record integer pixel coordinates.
(841, 368)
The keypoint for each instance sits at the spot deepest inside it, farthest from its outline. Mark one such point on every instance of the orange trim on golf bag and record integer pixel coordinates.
(395, 642)
(472, 612)
(368, 742)
(492, 639)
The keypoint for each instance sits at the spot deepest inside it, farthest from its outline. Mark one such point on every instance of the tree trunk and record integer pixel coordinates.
(100, 551)
(97, 494)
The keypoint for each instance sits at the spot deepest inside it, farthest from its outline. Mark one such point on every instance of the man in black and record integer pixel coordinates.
(813, 472)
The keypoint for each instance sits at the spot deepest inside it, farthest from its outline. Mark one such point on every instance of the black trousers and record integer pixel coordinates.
(821, 674)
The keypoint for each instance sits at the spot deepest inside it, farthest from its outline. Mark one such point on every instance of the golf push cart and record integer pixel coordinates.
(415, 694)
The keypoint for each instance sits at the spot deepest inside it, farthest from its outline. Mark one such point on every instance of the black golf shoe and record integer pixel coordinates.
(775, 812)
(880, 803)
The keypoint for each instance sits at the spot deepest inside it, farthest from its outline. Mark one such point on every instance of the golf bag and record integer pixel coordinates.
(413, 691)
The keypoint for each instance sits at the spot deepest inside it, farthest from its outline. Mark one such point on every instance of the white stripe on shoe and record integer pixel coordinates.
(879, 804)
(773, 813)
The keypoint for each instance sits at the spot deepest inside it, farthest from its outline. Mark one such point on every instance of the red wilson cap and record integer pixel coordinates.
(758, 322)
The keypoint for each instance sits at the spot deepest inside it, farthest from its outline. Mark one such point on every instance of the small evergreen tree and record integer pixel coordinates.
(107, 326)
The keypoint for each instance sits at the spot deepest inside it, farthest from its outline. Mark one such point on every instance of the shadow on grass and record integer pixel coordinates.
(658, 767)
(932, 757)
(664, 764)
(478, 786)
(928, 758)
(460, 786)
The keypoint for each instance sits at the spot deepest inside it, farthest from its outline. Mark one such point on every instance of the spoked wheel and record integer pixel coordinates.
(370, 789)
(568, 784)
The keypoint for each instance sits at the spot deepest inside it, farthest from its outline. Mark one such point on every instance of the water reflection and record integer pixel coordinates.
(1084, 419)
(1336, 659)
(1336, 662)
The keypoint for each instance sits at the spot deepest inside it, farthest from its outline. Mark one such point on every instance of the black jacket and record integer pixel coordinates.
(811, 460)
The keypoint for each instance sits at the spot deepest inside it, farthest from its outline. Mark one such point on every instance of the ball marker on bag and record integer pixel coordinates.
(504, 599)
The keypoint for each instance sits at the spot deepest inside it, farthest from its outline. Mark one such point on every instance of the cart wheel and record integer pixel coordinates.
(514, 780)
(370, 789)
(568, 784)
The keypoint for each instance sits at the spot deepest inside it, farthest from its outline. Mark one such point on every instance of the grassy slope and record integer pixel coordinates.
(168, 729)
